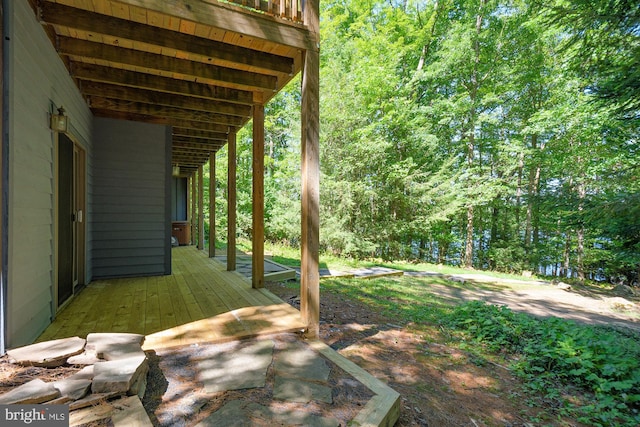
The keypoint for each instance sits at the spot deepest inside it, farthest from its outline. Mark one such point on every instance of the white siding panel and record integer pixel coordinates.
(38, 82)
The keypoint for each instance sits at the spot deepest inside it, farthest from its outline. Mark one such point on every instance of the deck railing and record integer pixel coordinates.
(286, 9)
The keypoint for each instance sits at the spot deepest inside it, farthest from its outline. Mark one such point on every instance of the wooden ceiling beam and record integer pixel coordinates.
(97, 73)
(153, 61)
(199, 158)
(187, 146)
(180, 141)
(202, 134)
(187, 167)
(72, 17)
(107, 90)
(123, 115)
(145, 118)
(194, 156)
(239, 21)
(189, 159)
(204, 126)
(164, 111)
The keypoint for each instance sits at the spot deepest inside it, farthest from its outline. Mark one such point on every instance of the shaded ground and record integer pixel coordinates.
(442, 386)
(175, 396)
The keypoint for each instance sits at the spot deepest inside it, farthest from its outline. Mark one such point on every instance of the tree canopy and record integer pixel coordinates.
(497, 134)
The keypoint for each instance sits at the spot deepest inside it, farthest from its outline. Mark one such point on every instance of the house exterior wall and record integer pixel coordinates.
(131, 200)
(37, 83)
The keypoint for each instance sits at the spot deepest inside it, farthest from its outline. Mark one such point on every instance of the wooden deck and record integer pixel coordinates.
(199, 302)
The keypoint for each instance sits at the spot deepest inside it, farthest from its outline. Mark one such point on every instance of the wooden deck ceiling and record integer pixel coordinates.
(198, 65)
(199, 302)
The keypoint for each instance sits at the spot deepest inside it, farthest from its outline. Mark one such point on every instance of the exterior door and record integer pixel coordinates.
(65, 219)
(70, 234)
(78, 216)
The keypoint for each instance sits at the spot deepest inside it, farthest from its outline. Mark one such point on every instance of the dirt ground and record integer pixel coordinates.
(439, 385)
(442, 386)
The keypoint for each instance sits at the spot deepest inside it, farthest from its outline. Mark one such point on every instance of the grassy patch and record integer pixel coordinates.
(406, 299)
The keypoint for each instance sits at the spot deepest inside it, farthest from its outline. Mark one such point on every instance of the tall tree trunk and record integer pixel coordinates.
(431, 27)
(580, 253)
(471, 143)
(495, 216)
(531, 233)
(468, 246)
(534, 174)
(566, 265)
(519, 190)
(443, 244)
(582, 193)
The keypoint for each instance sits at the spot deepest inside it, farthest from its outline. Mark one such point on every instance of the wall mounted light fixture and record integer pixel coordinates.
(176, 170)
(59, 122)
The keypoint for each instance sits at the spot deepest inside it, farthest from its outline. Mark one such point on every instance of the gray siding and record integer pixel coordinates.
(131, 200)
(179, 199)
(37, 82)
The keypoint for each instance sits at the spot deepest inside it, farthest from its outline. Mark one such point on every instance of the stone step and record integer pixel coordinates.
(48, 354)
(35, 391)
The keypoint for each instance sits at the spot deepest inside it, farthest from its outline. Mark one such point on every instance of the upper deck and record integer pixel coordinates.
(197, 65)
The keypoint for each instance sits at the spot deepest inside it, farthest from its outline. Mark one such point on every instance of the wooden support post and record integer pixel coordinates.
(193, 218)
(212, 204)
(200, 208)
(310, 115)
(257, 271)
(231, 200)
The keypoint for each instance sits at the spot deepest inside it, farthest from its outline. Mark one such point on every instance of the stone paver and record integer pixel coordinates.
(114, 346)
(295, 390)
(294, 417)
(230, 415)
(35, 391)
(301, 362)
(118, 375)
(48, 354)
(73, 389)
(88, 357)
(237, 369)
(85, 373)
(241, 413)
(116, 365)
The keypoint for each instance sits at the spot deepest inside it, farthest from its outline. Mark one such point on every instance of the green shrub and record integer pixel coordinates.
(601, 362)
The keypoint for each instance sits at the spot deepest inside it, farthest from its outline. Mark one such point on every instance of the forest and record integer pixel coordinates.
(487, 134)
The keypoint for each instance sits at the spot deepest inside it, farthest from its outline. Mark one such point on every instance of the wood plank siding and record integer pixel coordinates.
(38, 82)
(131, 221)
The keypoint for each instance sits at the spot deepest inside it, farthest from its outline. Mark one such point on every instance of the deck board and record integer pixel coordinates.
(199, 302)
